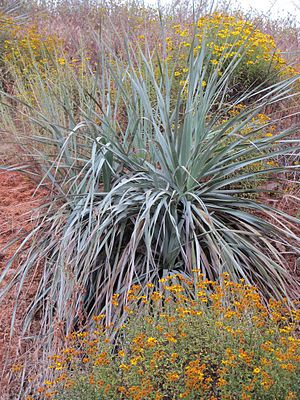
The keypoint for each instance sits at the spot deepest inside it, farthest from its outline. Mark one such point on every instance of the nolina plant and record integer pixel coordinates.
(147, 187)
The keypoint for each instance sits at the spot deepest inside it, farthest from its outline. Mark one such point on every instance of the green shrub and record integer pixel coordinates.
(224, 343)
(6, 24)
(26, 53)
(227, 37)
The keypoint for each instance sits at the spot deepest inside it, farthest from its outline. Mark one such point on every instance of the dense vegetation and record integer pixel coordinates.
(222, 343)
(156, 143)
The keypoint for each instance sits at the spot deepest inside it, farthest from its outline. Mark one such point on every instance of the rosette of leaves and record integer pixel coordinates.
(158, 193)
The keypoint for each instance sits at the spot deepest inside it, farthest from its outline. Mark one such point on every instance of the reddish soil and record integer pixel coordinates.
(18, 200)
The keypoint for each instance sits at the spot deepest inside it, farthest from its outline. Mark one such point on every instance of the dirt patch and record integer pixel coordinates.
(18, 201)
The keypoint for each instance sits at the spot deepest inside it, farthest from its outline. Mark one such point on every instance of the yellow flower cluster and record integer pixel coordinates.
(28, 54)
(227, 37)
(198, 339)
(26, 48)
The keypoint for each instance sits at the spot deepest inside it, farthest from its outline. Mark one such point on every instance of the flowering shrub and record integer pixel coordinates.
(219, 342)
(228, 37)
(6, 27)
(25, 50)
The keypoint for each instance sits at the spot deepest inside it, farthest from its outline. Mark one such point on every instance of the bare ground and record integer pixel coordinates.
(18, 201)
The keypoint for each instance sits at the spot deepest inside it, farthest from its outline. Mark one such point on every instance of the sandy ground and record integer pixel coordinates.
(18, 201)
